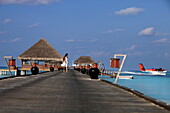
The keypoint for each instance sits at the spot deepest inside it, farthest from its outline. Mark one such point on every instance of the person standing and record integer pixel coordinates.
(65, 62)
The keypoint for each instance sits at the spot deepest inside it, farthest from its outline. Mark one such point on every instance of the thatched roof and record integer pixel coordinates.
(84, 60)
(41, 50)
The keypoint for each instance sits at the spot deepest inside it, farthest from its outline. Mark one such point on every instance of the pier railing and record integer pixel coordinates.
(108, 73)
(113, 74)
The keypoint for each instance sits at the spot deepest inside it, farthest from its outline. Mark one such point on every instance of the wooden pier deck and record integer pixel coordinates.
(71, 92)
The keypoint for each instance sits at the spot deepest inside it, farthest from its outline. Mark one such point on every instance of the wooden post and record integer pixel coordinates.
(124, 57)
(5, 58)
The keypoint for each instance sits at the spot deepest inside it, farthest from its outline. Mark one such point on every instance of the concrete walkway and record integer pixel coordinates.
(71, 92)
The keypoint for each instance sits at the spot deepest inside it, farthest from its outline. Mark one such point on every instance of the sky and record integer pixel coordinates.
(96, 28)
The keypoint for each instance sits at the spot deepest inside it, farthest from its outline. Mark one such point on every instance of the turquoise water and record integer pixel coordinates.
(155, 86)
(3, 76)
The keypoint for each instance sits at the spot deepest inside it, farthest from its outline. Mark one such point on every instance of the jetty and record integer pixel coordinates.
(69, 92)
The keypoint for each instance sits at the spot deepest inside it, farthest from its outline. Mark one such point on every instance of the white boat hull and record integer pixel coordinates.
(156, 72)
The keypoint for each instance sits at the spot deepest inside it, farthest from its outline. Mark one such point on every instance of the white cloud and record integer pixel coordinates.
(135, 53)
(161, 34)
(165, 34)
(99, 53)
(108, 31)
(15, 40)
(70, 40)
(132, 47)
(8, 20)
(147, 31)
(29, 2)
(93, 40)
(34, 25)
(150, 31)
(111, 31)
(129, 11)
(90, 40)
(163, 40)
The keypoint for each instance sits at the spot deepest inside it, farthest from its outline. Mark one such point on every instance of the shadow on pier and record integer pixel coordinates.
(71, 92)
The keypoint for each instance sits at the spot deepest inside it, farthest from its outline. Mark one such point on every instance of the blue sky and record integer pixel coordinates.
(96, 28)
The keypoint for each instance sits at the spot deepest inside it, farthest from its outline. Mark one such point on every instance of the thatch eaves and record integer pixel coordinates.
(84, 60)
(41, 50)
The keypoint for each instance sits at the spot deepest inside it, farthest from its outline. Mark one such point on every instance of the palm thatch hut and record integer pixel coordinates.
(41, 53)
(84, 60)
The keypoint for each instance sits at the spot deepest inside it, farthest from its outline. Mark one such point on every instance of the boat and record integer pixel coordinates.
(153, 71)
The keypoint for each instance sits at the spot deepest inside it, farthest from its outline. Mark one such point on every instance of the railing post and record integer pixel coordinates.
(124, 57)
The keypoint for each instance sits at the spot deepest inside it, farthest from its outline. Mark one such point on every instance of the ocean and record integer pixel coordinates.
(155, 86)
